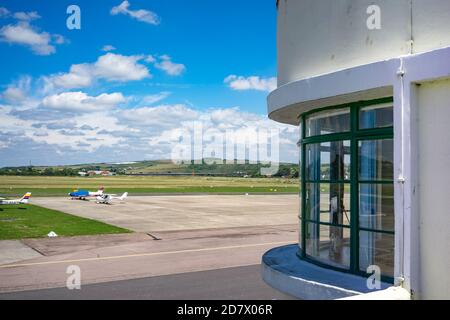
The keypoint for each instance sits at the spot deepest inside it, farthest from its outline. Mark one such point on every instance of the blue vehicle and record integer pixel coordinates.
(83, 194)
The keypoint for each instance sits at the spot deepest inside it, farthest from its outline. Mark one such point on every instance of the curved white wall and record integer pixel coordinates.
(321, 36)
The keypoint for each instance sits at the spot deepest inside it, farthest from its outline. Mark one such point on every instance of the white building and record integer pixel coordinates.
(368, 82)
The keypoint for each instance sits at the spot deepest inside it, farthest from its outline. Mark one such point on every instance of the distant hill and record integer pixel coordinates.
(213, 167)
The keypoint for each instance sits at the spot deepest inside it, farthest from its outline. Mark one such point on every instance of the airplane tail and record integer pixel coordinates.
(25, 198)
(124, 196)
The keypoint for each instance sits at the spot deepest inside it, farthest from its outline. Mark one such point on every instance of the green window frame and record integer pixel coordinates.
(355, 136)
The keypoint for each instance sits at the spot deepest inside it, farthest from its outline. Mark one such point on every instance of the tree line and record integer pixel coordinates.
(31, 171)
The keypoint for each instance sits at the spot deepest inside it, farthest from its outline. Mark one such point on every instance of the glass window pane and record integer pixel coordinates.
(326, 122)
(376, 206)
(328, 202)
(300, 165)
(376, 249)
(328, 161)
(312, 201)
(329, 245)
(300, 128)
(300, 233)
(376, 160)
(377, 116)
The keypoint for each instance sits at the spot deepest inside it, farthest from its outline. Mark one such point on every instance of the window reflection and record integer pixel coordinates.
(328, 203)
(376, 206)
(377, 116)
(326, 122)
(376, 248)
(328, 244)
(328, 161)
(376, 160)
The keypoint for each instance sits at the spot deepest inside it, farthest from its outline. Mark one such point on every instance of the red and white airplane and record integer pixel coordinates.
(24, 200)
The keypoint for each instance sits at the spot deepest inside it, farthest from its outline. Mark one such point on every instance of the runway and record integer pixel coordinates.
(164, 213)
(220, 252)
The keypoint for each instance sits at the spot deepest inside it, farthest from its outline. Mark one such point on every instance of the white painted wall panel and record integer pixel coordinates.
(322, 36)
(431, 24)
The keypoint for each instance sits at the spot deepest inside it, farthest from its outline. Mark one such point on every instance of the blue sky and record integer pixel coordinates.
(114, 90)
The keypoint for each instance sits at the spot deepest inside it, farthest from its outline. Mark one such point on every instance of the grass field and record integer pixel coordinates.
(29, 221)
(59, 186)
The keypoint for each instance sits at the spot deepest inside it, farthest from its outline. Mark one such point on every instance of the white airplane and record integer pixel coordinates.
(24, 200)
(108, 198)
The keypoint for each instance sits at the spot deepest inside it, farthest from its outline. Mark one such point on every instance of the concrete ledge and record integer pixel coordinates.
(366, 82)
(284, 271)
(391, 293)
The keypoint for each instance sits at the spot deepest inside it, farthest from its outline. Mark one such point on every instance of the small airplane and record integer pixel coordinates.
(83, 194)
(24, 200)
(108, 198)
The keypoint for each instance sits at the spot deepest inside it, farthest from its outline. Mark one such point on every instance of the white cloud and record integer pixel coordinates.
(140, 15)
(108, 47)
(110, 66)
(225, 118)
(4, 12)
(77, 126)
(18, 92)
(120, 68)
(3, 144)
(162, 116)
(171, 68)
(59, 39)
(50, 141)
(150, 59)
(153, 98)
(79, 76)
(251, 83)
(24, 34)
(27, 16)
(81, 102)
(13, 95)
(110, 133)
